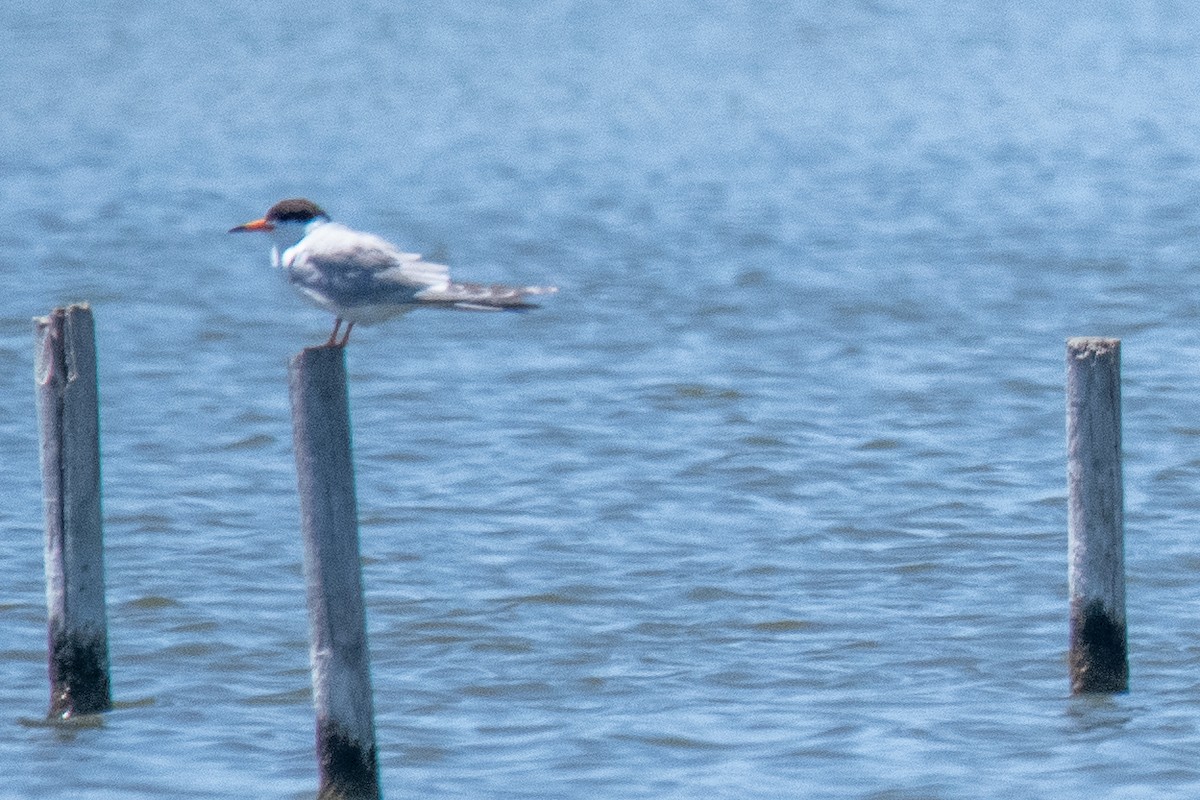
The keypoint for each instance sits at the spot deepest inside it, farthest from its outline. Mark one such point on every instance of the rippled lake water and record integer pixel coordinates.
(768, 502)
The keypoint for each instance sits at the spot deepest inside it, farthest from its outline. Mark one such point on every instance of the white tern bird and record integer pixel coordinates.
(362, 278)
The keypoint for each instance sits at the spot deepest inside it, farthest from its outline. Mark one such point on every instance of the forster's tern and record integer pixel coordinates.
(361, 278)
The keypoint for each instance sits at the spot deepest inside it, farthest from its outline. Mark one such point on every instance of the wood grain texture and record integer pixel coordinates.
(1098, 657)
(346, 754)
(69, 433)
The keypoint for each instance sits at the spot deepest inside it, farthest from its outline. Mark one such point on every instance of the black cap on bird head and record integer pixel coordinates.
(295, 209)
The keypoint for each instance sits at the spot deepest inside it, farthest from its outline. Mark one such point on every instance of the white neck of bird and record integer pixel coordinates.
(287, 234)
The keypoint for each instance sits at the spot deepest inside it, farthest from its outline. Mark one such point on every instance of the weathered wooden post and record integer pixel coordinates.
(69, 432)
(1098, 656)
(346, 757)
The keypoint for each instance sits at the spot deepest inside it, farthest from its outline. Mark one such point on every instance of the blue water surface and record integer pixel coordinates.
(768, 501)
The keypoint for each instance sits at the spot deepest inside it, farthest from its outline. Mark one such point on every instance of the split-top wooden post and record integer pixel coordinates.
(69, 433)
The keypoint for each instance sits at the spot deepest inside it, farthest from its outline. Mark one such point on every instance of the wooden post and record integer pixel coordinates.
(69, 430)
(341, 678)
(1098, 655)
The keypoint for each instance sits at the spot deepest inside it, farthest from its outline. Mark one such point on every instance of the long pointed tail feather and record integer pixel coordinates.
(481, 297)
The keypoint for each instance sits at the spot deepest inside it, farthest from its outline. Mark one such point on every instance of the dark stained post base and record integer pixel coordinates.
(1098, 657)
(348, 769)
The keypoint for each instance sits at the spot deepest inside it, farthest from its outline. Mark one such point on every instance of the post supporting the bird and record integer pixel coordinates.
(1098, 658)
(346, 755)
(69, 432)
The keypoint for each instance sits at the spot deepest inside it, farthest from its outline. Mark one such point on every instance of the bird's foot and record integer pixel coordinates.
(332, 340)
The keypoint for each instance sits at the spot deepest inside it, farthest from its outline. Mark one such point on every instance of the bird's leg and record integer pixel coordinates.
(337, 323)
(346, 337)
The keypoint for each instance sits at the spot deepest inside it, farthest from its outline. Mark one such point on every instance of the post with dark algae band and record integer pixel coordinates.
(346, 756)
(69, 439)
(1098, 657)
